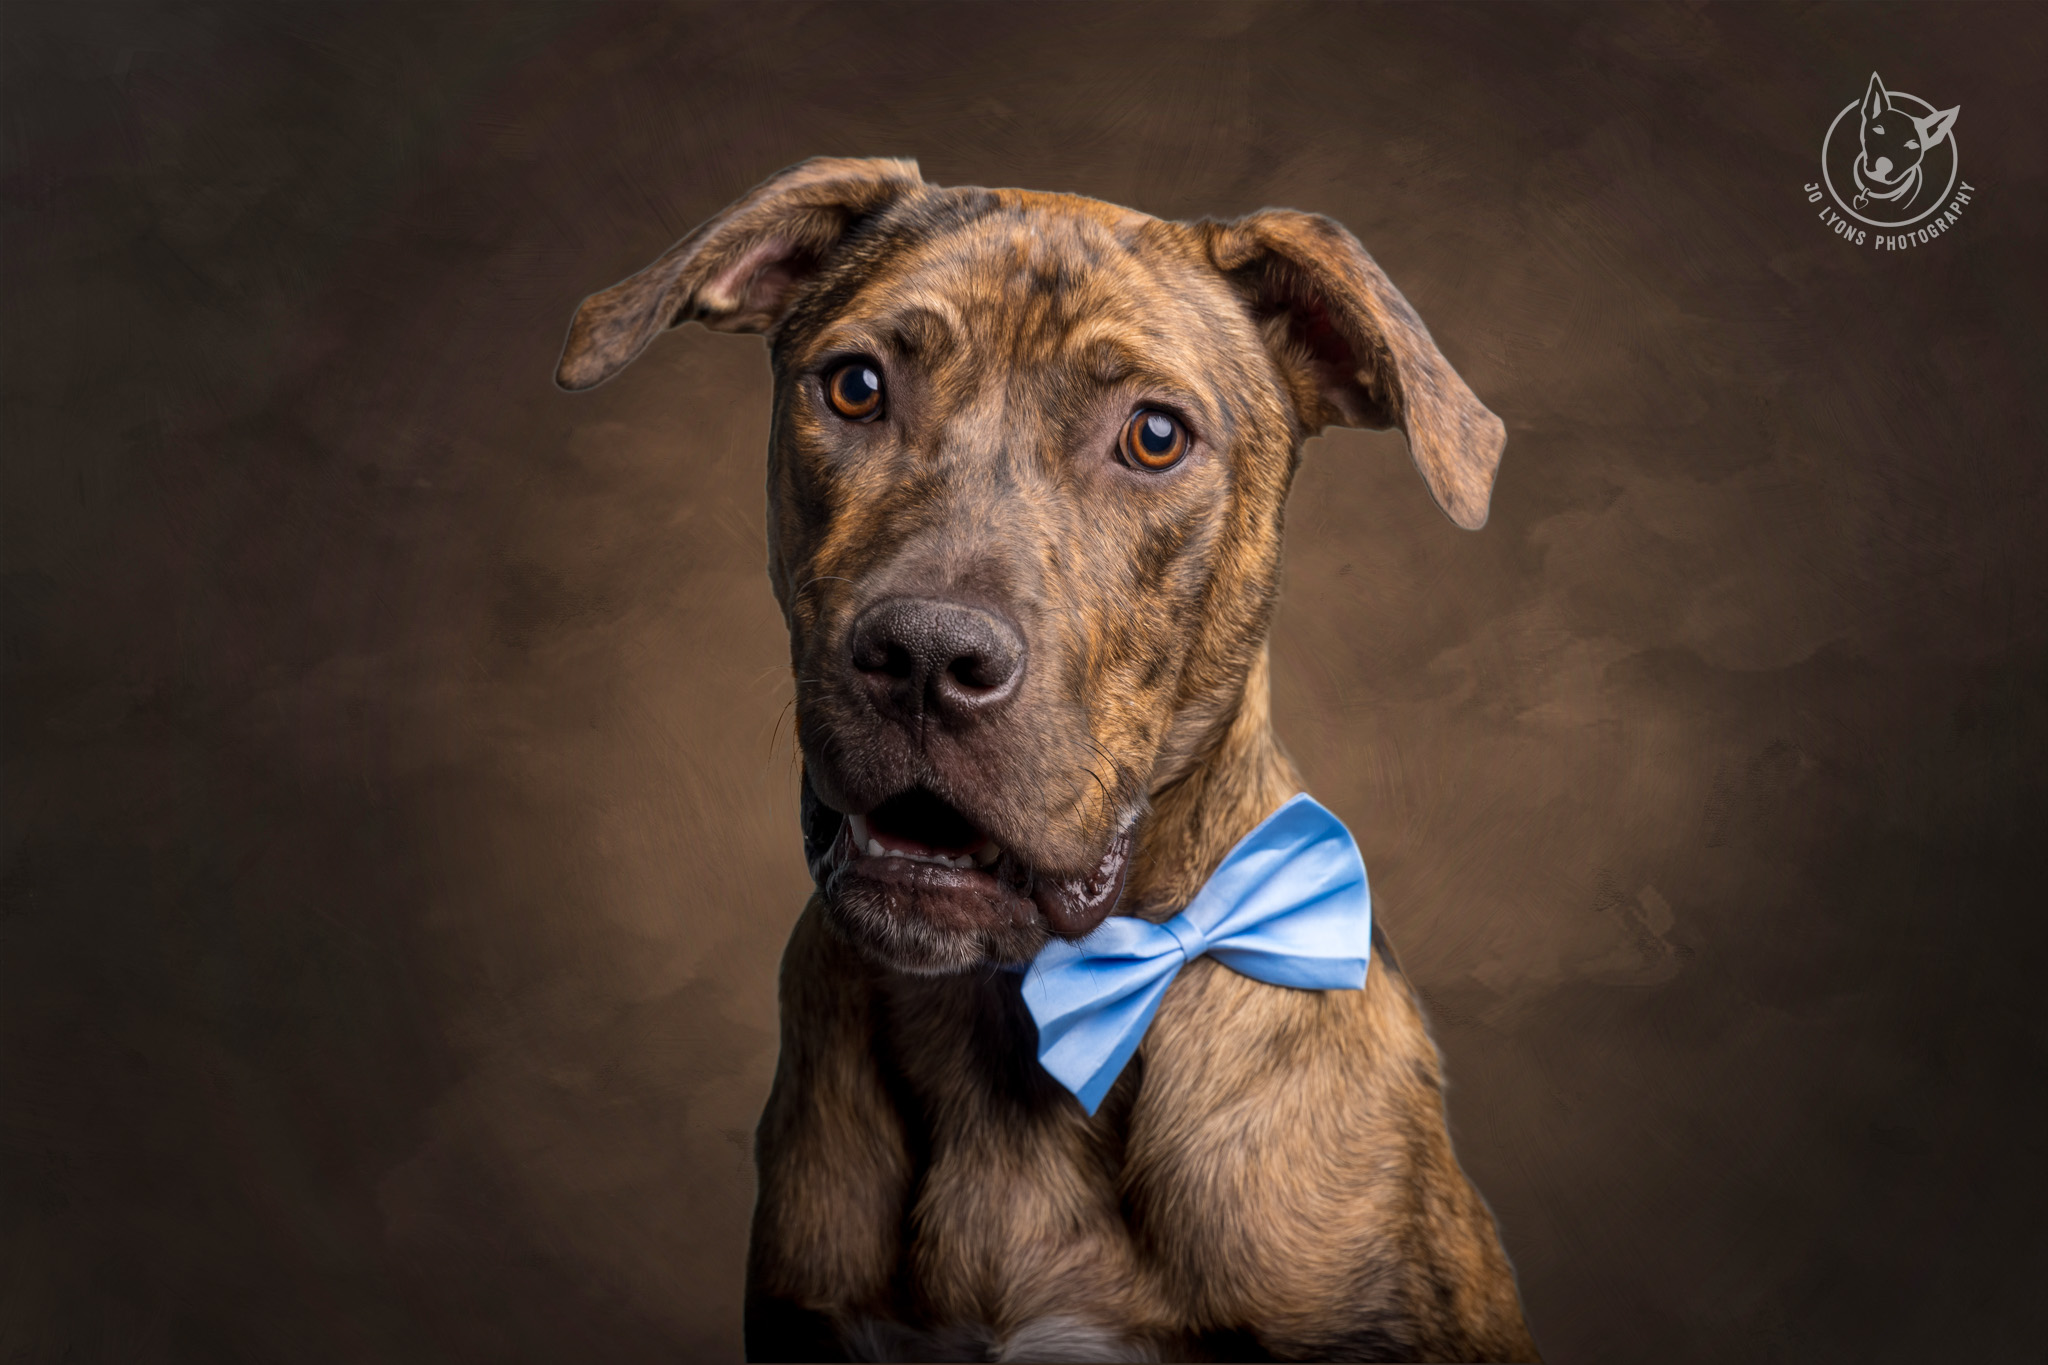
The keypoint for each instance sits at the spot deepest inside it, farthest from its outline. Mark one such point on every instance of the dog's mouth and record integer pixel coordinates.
(918, 826)
(915, 866)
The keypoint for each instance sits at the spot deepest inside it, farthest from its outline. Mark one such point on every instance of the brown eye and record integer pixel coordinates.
(855, 391)
(1152, 440)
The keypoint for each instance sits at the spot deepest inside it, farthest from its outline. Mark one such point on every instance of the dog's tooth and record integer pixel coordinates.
(874, 848)
(987, 853)
(857, 825)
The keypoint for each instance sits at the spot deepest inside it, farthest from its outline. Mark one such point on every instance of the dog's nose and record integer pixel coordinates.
(1883, 168)
(920, 658)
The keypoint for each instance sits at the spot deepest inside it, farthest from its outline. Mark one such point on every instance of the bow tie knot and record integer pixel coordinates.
(1193, 942)
(1289, 906)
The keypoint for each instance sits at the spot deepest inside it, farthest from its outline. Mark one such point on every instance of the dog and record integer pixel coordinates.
(1028, 460)
(1894, 143)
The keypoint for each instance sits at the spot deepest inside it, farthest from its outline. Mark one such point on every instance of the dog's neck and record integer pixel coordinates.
(1238, 780)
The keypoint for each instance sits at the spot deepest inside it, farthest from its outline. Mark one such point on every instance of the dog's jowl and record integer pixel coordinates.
(1025, 484)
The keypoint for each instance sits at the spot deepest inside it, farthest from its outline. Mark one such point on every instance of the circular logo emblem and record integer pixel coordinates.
(1889, 159)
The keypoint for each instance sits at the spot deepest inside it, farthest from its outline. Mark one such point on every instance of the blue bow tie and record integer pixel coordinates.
(1288, 906)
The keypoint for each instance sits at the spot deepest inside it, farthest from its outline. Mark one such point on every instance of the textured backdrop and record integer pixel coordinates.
(399, 803)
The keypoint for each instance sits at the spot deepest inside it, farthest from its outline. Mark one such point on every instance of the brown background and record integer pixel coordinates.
(399, 802)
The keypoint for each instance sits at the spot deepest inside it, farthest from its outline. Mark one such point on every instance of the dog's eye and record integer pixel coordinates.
(1912, 142)
(855, 391)
(1152, 440)
(1877, 127)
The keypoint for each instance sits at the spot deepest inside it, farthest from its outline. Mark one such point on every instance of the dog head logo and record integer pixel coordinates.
(1900, 165)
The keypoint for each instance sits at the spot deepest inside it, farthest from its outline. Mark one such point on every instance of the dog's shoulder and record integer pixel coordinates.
(1294, 1147)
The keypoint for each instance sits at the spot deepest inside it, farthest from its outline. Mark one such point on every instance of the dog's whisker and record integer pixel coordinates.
(823, 578)
(775, 732)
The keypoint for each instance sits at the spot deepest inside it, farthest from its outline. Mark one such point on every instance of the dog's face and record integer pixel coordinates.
(1025, 565)
(1893, 140)
(1029, 459)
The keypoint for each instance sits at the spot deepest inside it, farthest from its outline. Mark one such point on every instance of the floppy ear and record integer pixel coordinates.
(738, 272)
(1356, 354)
(1935, 126)
(1875, 100)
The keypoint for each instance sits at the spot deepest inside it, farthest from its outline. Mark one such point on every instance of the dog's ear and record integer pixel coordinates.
(1355, 353)
(1932, 129)
(1875, 100)
(737, 272)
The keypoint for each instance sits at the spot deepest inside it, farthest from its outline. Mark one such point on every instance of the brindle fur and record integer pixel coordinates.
(1271, 1177)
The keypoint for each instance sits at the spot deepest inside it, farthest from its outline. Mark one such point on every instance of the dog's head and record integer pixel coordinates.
(1894, 140)
(1028, 461)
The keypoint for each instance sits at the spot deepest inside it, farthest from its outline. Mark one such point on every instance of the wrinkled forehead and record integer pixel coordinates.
(1045, 284)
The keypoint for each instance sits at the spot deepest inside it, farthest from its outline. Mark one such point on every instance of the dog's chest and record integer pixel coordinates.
(1017, 1235)
(1016, 1209)
(1023, 1209)
(1176, 1204)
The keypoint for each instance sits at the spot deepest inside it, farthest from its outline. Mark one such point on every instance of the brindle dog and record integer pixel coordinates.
(1025, 483)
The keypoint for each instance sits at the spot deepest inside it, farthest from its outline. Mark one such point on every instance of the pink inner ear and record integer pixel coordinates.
(1324, 341)
(1337, 361)
(754, 282)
